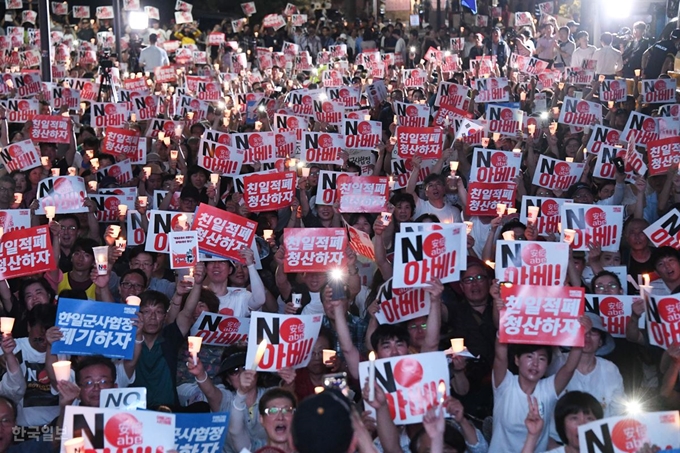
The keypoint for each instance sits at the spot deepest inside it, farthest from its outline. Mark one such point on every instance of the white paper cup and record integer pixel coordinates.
(328, 354)
(115, 230)
(569, 235)
(72, 171)
(122, 209)
(147, 171)
(101, 257)
(62, 370)
(92, 185)
(55, 172)
(509, 235)
(468, 226)
(532, 213)
(266, 234)
(50, 212)
(75, 445)
(214, 178)
(133, 300)
(386, 217)
(195, 344)
(457, 345)
(18, 197)
(296, 298)
(6, 325)
(142, 200)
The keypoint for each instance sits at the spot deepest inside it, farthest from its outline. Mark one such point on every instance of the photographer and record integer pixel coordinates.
(133, 53)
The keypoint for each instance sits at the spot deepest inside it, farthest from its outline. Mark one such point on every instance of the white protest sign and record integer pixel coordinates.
(532, 263)
(592, 223)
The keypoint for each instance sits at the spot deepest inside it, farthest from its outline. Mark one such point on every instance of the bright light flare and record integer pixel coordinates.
(138, 20)
(617, 9)
(633, 407)
(337, 274)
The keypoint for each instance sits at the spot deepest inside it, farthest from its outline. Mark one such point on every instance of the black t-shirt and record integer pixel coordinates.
(635, 268)
(660, 51)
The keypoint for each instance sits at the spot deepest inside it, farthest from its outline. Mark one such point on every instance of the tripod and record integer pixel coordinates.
(106, 82)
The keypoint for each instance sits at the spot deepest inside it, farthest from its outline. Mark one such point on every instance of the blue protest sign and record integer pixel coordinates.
(203, 433)
(95, 328)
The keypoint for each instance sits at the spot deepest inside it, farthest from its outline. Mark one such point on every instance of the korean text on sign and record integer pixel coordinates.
(51, 129)
(425, 142)
(362, 193)
(92, 328)
(25, 252)
(222, 233)
(203, 433)
(546, 315)
(314, 249)
(270, 191)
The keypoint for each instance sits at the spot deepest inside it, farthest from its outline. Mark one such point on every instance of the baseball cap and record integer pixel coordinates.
(323, 422)
(608, 344)
(675, 34)
(576, 187)
(232, 362)
(342, 36)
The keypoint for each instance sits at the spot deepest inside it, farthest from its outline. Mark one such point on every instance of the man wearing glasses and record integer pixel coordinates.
(145, 262)
(276, 408)
(435, 194)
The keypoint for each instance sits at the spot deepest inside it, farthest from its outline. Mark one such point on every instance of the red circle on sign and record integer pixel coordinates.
(611, 306)
(534, 255)
(659, 85)
(23, 105)
(364, 128)
(292, 330)
(614, 85)
(629, 435)
(408, 372)
(28, 79)
(434, 245)
(613, 136)
(582, 107)
(115, 171)
(250, 97)
(649, 125)
(412, 111)
(150, 102)
(343, 93)
(223, 139)
(506, 115)
(550, 208)
(669, 310)
(499, 160)
(255, 140)
(111, 204)
(169, 128)
(280, 140)
(307, 100)
(123, 430)
(562, 169)
(222, 152)
(110, 109)
(293, 123)
(595, 217)
(325, 141)
(229, 325)
(194, 104)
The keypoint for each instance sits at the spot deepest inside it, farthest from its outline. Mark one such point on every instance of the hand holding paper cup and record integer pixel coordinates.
(532, 213)
(101, 257)
(6, 325)
(50, 212)
(62, 370)
(328, 355)
(569, 235)
(195, 347)
(457, 345)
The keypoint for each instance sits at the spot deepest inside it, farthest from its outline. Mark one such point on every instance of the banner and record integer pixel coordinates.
(662, 155)
(420, 257)
(657, 91)
(494, 166)
(545, 315)
(106, 430)
(20, 156)
(492, 90)
(615, 311)
(51, 129)
(483, 197)
(410, 383)
(643, 431)
(549, 214)
(602, 135)
(107, 206)
(183, 249)
(26, 252)
(314, 249)
(121, 142)
(577, 112)
(66, 193)
(362, 193)
(426, 142)
(556, 174)
(220, 158)
(95, 328)
(399, 305)
(202, 432)
(666, 230)
(593, 223)
(221, 233)
(504, 120)
(161, 223)
(362, 135)
(640, 129)
(532, 263)
(322, 147)
(269, 191)
(220, 330)
(663, 320)
(289, 340)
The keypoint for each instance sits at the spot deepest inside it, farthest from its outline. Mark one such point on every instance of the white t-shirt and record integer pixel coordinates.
(447, 214)
(511, 408)
(604, 383)
(236, 302)
(314, 307)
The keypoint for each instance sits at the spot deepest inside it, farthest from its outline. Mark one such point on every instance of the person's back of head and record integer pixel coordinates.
(323, 423)
(606, 38)
(153, 38)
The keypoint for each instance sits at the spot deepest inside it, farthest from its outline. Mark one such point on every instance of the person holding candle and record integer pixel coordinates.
(32, 291)
(148, 263)
(435, 194)
(82, 258)
(198, 177)
(132, 283)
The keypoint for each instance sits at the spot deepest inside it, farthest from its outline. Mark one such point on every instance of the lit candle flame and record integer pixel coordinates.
(261, 348)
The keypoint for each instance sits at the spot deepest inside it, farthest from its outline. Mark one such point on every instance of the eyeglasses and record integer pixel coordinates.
(128, 285)
(68, 228)
(8, 421)
(314, 173)
(612, 285)
(100, 383)
(473, 279)
(279, 410)
(422, 326)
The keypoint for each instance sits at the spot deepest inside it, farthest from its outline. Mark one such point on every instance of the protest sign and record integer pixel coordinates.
(411, 115)
(663, 320)
(615, 311)
(504, 120)
(592, 223)
(523, 19)
(183, 249)
(221, 233)
(285, 123)
(326, 189)
(110, 114)
(121, 142)
(602, 135)
(220, 158)
(446, 116)
(666, 230)
(425, 142)
(51, 129)
(640, 129)
(657, 91)
(663, 154)
(401, 170)
(362, 193)
(256, 146)
(21, 110)
(95, 328)
(289, 340)
(161, 223)
(269, 191)
(414, 78)
(121, 172)
(20, 156)
(314, 249)
(410, 383)
(613, 90)
(26, 84)
(452, 94)
(129, 399)
(577, 112)
(631, 433)
(494, 166)
(364, 135)
(365, 160)
(203, 432)
(322, 147)
(136, 235)
(420, 257)
(65, 97)
(492, 90)
(468, 131)
(529, 65)
(106, 430)
(107, 206)
(66, 193)
(548, 213)
(556, 174)
(579, 76)
(361, 243)
(15, 219)
(545, 315)
(26, 252)
(532, 263)
(483, 197)
(399, 305)
(220, 330)
(605, 167)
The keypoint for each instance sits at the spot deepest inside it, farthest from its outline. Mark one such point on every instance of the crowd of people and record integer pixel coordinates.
(508, 398)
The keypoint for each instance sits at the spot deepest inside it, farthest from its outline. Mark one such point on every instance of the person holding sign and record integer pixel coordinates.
(435, 194)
